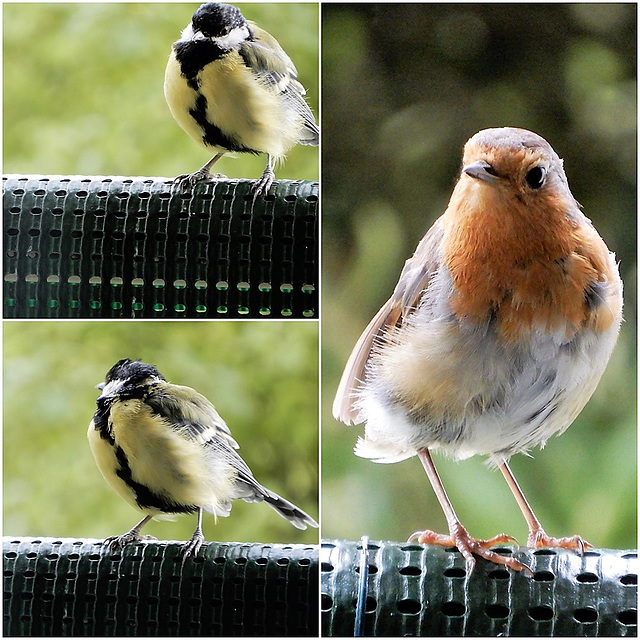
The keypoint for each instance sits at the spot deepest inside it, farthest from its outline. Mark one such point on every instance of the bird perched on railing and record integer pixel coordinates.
(166, 450)
(232, 88)
(497, 333)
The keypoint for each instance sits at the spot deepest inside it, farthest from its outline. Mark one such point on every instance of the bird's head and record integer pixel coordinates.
(516, 164)
(221, 24)
(129, 378)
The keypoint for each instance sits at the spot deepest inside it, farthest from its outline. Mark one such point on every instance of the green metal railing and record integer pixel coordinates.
(417, 590)
(66, 587)
(110, 247)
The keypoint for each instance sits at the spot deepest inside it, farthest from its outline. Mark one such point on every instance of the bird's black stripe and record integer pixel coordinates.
(547, 408)
(101, 420)
(145, 498)
(213, 135)
(101, 416)
(194, 56)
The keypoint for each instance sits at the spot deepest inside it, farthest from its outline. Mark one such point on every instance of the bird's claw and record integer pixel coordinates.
(116, 543)
(188, 181)
(192, 547)
(539, 538)
(468, 546)
(263, 184)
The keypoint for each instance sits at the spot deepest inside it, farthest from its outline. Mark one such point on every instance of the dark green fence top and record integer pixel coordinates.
(417, 590)
(114, 247)
(66, 587)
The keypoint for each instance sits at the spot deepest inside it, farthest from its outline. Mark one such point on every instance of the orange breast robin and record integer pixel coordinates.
(497, 333)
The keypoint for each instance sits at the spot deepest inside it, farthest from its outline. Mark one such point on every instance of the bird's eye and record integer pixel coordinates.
(535, 177)
(490, 170)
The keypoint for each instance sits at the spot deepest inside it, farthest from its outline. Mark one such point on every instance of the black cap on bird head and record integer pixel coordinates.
(215, 20)
(131, 370)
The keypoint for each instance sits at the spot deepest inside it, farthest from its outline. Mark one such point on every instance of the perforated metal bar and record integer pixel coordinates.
(110, 247)
(71, 587)
(417, 590)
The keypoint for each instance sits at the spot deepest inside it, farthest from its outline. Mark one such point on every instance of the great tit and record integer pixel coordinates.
(232, 88)
(166, 450)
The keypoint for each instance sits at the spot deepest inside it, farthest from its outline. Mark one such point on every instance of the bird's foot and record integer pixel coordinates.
(115, 543)
(192, 547)
(538, 538)
(263, 184)
(468, 546)
(188, 181)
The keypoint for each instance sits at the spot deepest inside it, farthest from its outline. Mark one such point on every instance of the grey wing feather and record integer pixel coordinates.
(419, 269)
(249, 489)
(268, 60)
(413, 280)
(191, 413)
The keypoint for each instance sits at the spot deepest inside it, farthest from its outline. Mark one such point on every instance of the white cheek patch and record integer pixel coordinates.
(235, 37)
(187, 34)
(112, 388)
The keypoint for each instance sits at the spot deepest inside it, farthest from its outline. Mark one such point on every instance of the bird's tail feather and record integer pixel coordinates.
(257, 493)
(297, 517)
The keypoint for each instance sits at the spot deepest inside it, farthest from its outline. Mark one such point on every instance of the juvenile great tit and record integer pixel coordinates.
(231, 87)
(166, 451)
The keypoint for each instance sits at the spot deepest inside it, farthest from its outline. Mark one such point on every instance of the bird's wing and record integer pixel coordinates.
(413, 281)
(196, 418)
(190, 412)
(268, 60)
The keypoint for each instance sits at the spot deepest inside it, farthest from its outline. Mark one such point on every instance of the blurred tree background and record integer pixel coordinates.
(403, 87)
(83, 88)
(262, 376)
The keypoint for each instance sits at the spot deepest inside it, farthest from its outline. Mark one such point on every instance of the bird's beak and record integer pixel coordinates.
(481, 170)
(100, 386)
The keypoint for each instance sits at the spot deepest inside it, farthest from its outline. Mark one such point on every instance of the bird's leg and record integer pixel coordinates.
(118, 542)
(193, 546)
(458, 535)
(537, 536)
(265, 181)
(187, 180)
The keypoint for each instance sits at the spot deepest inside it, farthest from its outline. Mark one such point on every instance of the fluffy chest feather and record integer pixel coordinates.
(153, 467)
(505, 346)
(225, 107)
(529, 265)
(463, 390)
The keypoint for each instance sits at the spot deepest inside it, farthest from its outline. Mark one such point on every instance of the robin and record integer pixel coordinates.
(497, 333)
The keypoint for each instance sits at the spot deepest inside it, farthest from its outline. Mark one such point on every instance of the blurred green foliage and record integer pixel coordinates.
(403, 87)
(262, 377)
(83, 88)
